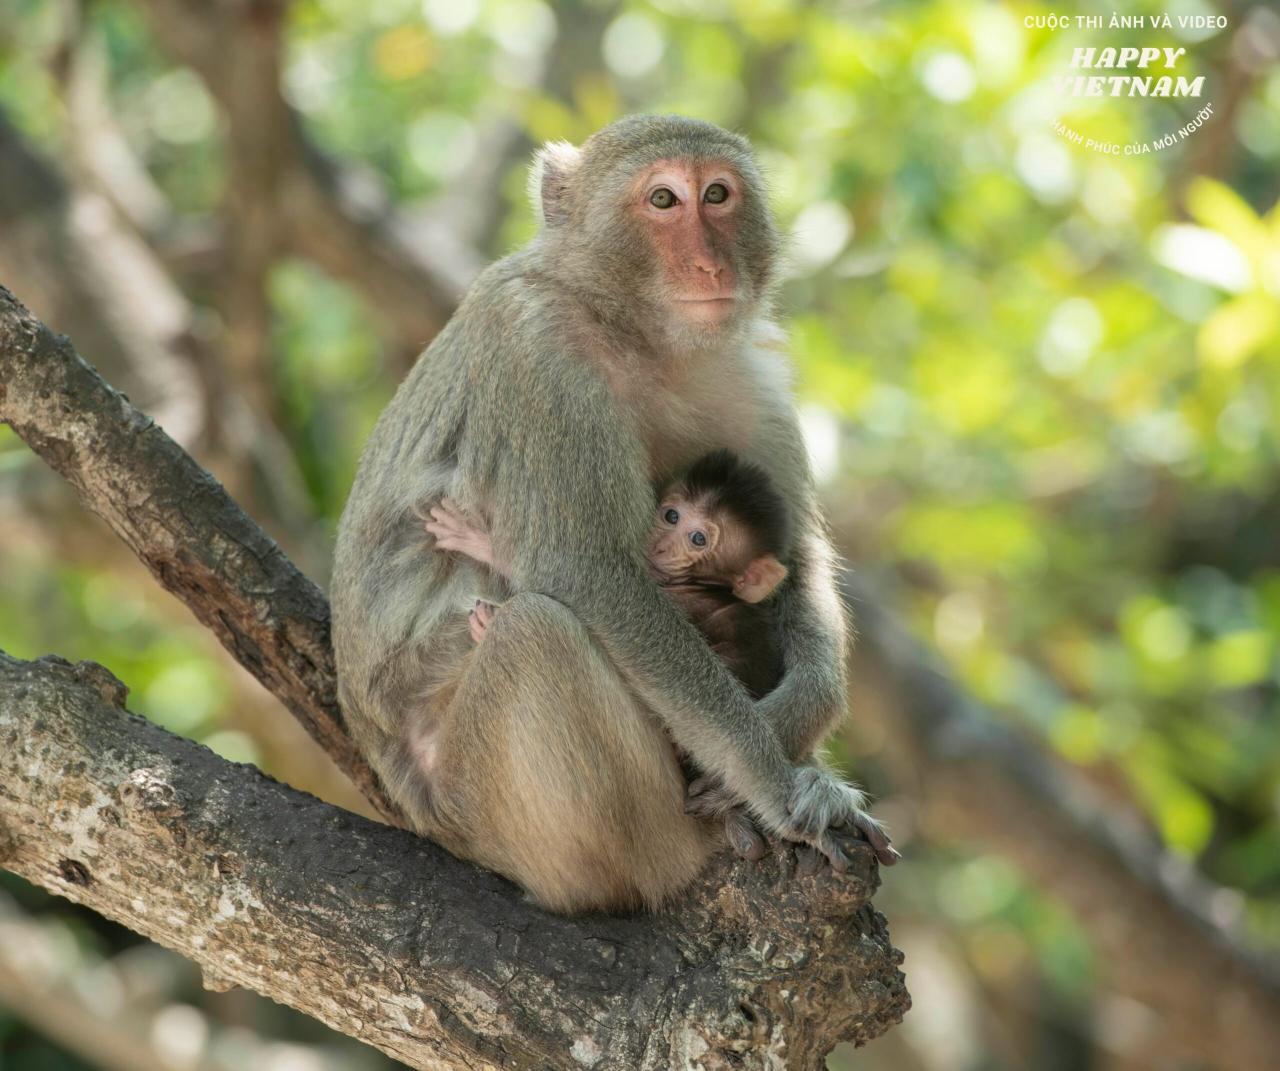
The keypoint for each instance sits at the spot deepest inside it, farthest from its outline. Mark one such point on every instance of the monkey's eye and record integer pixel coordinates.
(717, 193)
(698, 539)
(671, 516)
(662, 198)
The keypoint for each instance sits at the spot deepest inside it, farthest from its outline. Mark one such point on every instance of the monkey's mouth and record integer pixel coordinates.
(709, 309)
(667, 576)
(658, 574)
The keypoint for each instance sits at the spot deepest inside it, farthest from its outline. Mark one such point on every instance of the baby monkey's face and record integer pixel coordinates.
(686, 540)
(691, 542)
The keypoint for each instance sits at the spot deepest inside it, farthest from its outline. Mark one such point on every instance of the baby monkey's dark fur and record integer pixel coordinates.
(724, 481)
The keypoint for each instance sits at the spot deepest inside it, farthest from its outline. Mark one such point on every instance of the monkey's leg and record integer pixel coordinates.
(559, 777)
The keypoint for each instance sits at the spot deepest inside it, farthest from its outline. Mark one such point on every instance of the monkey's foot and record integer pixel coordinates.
(743, 834)
(706, 798)
(479, 618)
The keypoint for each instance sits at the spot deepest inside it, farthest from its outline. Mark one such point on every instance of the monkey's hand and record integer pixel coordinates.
(454, 530)
(829, 815)
(706, 797)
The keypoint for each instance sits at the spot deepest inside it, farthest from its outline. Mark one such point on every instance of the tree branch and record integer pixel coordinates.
(388, 938)
(183, 526)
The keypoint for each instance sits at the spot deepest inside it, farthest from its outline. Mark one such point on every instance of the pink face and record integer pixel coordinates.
(684, 537)
(690, 210)
(687, 544)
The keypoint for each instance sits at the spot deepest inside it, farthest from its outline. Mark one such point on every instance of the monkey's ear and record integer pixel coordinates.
(759, 579)
(551, 179)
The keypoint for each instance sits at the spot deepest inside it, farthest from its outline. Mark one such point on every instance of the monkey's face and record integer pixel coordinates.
(691, 541)
(685, 542)
(663, 224)
(691, 213)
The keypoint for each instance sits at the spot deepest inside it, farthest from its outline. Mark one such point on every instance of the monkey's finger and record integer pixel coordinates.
(743, 836)
(455, 514)
(868, 832)
(829, 847)
(876, 836)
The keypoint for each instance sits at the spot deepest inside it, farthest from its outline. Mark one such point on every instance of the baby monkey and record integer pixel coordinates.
(717, 548)
(719, 539)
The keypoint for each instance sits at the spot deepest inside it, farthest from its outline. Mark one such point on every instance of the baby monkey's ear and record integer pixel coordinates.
(759, 579)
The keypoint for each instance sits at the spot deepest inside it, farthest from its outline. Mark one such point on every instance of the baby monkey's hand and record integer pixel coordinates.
(454, 530)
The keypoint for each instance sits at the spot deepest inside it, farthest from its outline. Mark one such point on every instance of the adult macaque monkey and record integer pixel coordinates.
(630, 337)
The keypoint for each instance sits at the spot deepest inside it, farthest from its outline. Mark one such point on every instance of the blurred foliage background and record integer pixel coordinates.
(1041, 386)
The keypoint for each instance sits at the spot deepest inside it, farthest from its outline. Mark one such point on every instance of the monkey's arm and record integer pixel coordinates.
(811, 699)
(813, 628)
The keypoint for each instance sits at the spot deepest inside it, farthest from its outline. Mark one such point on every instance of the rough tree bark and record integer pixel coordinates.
(386, 937)
(377, 932)
(183, 526)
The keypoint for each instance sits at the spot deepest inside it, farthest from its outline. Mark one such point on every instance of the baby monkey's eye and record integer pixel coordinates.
(662, 198)
(671, 516)
(698, 539)
(717, 193)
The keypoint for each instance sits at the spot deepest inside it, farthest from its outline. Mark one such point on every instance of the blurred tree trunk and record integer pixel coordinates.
(79, 268)
(1150, 916)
